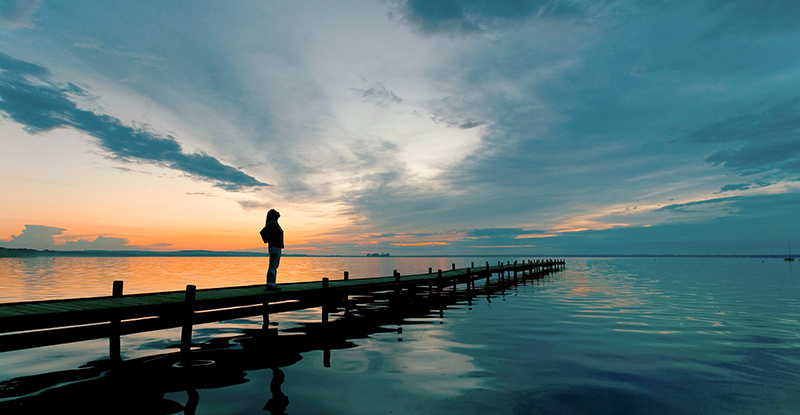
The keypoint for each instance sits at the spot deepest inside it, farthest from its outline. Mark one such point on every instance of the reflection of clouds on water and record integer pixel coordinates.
(439, 372)
(425, 362)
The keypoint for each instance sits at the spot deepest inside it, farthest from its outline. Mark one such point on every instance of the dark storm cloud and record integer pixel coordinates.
(758, 157)
(767, 137)
(779, 120)
(39, 105)
(475, 16)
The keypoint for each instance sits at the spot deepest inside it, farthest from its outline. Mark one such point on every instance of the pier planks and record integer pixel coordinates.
(40, 323)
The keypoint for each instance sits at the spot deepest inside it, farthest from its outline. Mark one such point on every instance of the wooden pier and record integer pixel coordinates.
(25, 325)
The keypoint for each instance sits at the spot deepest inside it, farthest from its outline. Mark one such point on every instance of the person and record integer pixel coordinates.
(272, 234)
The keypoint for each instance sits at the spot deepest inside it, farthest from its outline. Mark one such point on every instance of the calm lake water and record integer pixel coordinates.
(603, 336)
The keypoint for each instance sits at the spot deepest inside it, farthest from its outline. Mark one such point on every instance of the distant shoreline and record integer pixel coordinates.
(29, 253)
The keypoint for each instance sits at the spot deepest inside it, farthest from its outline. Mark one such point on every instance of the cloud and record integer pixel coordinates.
(698, 205)
(101, 242)
(471, 124)
(767, 137)
(34, 237)
(757, 123)
(730, 187)
(378, 95)
(419, 244)
(254, 204)
(753, 16)
(755, 225)
(15, 14)
(29, 97)
(495, 232)
(476, 16)
(43, 237)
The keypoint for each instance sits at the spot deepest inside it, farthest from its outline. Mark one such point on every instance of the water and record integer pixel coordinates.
(616, 336)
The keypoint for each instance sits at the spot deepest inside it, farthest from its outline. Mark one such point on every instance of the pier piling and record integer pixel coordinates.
(188, 314)
(114, 345)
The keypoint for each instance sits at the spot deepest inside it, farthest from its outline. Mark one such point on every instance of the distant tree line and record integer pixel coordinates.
(377, 254)
(16, 252)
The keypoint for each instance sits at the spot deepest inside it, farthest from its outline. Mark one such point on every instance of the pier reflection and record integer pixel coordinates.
(139, 386)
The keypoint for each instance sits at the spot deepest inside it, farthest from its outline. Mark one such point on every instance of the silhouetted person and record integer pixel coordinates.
(279, 401)
(272, 234)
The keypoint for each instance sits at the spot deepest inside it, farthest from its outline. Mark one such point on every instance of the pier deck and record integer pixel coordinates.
(40, 323)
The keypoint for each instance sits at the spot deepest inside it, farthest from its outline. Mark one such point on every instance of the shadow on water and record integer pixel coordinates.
(139, 385)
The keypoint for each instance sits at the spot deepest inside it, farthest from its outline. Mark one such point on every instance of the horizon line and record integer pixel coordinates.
(203, 252)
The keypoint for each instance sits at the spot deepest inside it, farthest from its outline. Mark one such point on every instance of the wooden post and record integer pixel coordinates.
(265, 313)
(472, 265)
(455, 282)
(116, 290)
(346, 275)
(397, 282)
(325, 285)
(430, 270)
(439, 279)
(454, 266)
(114, 346)
(469, 281)
(186, 332)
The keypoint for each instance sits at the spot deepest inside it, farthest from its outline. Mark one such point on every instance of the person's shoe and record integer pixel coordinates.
(273, 288)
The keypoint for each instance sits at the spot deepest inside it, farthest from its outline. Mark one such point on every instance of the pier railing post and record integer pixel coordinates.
(397, 283)
(515, 271)
(186, 332)
(114, 346)
(346, 275)
(325, 287)
(265, 313)
(326, 353)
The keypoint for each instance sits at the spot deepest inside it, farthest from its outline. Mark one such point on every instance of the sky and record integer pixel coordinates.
(411, 127)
